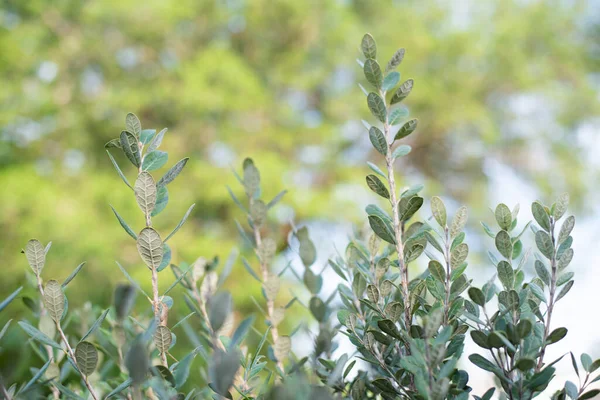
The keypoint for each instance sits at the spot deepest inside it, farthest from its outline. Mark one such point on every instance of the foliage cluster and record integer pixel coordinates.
(408, 331)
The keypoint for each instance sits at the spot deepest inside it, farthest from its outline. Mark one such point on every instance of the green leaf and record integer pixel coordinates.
(564, 278)
(377, 186)
(241, 332)
(459, 285)
(373, 73)
(114, 162)
(556, 335)
(378, 140)
(180, 224)
(561, 205)
(172, 173)
(506, 274)
(95, 325)
(525, 364)
(145, 192)
(10, 298)
(397, 115)
(376, 169)
(503, 216)
(395, 60)
(86, 356)
(586, 361)
(162, 339)
(220, 306)
(162, 199)
(483, 363)
(480, 338)
(251, 179)
(524, 328)
(401, 151)
(544, 244)
(282, 347)
(222, 371)
(317, 308)
(566, 229)
(408, 206)
(459, 221)
(565, 259)
(540, 215)
(129, 144)
(39, 336)
(307, 250)
(542, 272)
(133, 124)
(438, 209)
(154, 160)
(113, 144)
(377, 107)
(156, 141)
(150, 247)
(373, 293)
(564, 290)
(35, 378)
(477, 296)
(124, 300)
(137, 362)
(590, 394)
(389, 327)
(369, 47)
(54, 300)
(402, 92)
(433, 241)
(36, 256)
(406, 129)
(313, 282)
(504, 244)
(382, 229)
(390, 81)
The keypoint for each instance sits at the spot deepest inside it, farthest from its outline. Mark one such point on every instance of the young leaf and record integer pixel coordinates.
(369, 47)
(172, 173)
(377, 107)
(560, 207)
(154, 160)
(156, 141)
(86, 356)
(458, 222)
(438, 209)
(459, 255)
(397, 115)
(401, 151)
(146, 135)
(390, 81)
(503, 216)
(133, 124)
(395, 60)
(566, 229)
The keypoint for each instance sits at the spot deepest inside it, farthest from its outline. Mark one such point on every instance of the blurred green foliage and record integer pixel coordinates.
(271, 80)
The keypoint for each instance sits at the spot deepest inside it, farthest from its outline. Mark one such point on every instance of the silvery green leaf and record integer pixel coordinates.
(378, 140)
(413, 253)
(39, 336)
(564, 278)
(130, 279)
(251, 179)
(137, 362)
(282, 347)
(458, 222)
(162, 339)
(376, 169)
(373, 293)
(258, 212)
(382, 229)
(540, 215)
(437, 271)
(504, 244)
(402, 92)
(86, 356)
(373, 73)
(156, 141)
(406, 129)
(377, 186)
(459, 255)
(172, 173)
(130, 147)
(369, 47)
(438, 209)
(433, 241)
(503, 216)
(180, 224)
(377, 107)
(560, 207)
(124, 300)
(150, 247)
(222, 371)
(36, 256)
(166, 258)
(566, 229)
(276, 199)
(154, 160)
(96, 324)
(145, 192)
(395, 60)
(408, 206)
(133, 124)
(317, 308)
(73, 275)
(307, 250)
(10, 298)
(373, 209)
(542, 272)
(113, 144)
(563, 292)
(488, 230)
(477, 296)
(35, 378)
(124, 224)
(397, 115)
(54, 300)
(544, 244)
(114, 162)
(219, 308)
(506, 274)
(401, 151)
(390, 81)
(162, 199)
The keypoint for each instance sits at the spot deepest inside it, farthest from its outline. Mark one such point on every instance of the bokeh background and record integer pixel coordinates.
(507, 93)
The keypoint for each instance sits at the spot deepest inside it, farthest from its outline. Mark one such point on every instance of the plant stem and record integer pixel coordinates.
(389, 160)
(448, 271)
(551, 302)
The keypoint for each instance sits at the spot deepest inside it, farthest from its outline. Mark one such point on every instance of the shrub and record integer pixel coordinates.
(408, 326)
